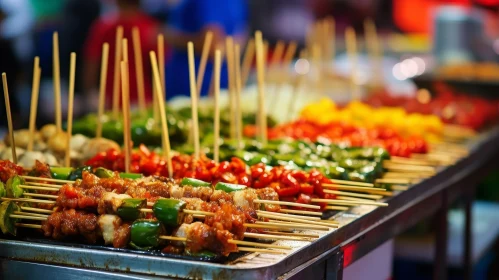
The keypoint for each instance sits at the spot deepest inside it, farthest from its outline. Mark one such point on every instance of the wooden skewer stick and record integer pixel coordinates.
(260, 65)
(352, 198)
(204, 213)
(28, 200)
(338, 208)
(34, 102)
(291, 234)
(292, 215)
(352, 183)
(25, 217)
(125, 49)
(393, 181)
(102, 88)
(216, 130)
(29, 214)
(44, 185)
(350, 188)
(194, 99)
(288, 56)
(369, 196)
(126, 113)
(116, 73)
(297, 85)
(204, 59)
(401, 175)
(161, 62)
(286, 203)
(399, 188)
(48, 179)
(273, 225)
(72, 69)
(57, 81)
(237, 99)
(258, 250)
(351, 45)
(374, 51)
(38, 188)
(291, 219)
(9, 117)
(36, 210)
(345, 202)
(229, 53)
(312, 213)
(139, 69)
(247, 60)
(162, 111)
(28, 225)
(232, 241)
(274, 237)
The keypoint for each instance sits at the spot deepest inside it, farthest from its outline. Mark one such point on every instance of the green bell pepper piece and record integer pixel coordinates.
(169, 211)
(78, 173)
(145, 233)
(61, 173)
(226, 187)
(2, 190)
(194, 183)
(8, 224)
(103, 173)
(134, 246)
(201, 254)
(13, 190)
(130, 175)
(129, 210)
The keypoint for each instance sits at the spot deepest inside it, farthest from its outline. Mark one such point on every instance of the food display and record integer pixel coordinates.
(450, 107)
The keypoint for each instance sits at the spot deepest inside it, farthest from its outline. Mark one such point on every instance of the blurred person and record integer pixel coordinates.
(10, 65)
(189, 20)
(128, 15)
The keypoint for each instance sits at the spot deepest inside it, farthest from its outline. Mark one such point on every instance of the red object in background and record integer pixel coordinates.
(348, 135)
(452, 107)
(104, 31)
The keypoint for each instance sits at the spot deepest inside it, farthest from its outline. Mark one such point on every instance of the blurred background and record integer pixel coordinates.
(407, 27)
(417, 36)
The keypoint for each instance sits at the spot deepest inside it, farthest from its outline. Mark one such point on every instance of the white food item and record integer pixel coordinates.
(176, 191)
(27, 160)
(114, 200)
(50, 159)
(7, 153)
(108, 224)
(244, 198)
(77, 142)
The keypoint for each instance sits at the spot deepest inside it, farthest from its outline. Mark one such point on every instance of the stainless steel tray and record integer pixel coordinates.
(356, 223)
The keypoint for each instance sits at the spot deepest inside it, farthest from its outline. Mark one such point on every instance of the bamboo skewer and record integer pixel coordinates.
(25, 217)
(260, 63)
(350, 188)
(274, 237)
(162, 111)
(125, 50)
(237, 99)
(345, 202)
(36, 210)
(229, 52)
(9, 117)
(338, 208)
(38, 188)
(264, 214)
(161, 62)
(28, 200)
(139, 69)
(216, 119)
(375, 197)
(291, 215)
(34, 102)
(352, 183)
(72, 69)
(28, 225)
(291, 234)
(47, 179)
(194, 99)
(290, 226)
(29, 214)
(297, 85)
(116, 73)
(257, 250)
(374, 50)
(393, 181)
(291, 211)
(204, 59)
(102, 89)
(40, 195)
(288, 56)
(286, 203)
(127, 142)
(351, 45)
(57, 81)
(247, 60)
(232, 241)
